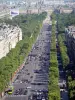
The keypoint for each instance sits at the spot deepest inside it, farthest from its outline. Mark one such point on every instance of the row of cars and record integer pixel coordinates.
(39, 90)
(39, 95)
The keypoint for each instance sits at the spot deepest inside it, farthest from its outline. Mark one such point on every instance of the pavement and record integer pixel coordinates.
(31, 82)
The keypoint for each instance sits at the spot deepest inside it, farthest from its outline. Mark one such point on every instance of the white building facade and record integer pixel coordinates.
(9, 37)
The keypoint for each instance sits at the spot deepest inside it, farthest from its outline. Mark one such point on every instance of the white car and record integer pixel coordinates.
(29, 87)
(43, 98)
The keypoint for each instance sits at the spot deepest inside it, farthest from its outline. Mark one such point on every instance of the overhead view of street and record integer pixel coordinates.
(31, 82)
(37, 49)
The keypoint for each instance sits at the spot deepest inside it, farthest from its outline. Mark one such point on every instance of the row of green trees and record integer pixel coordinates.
(65, 61)
(71, 85)
(30, 25)
(63, 50)
(54, 90)
(63, 21)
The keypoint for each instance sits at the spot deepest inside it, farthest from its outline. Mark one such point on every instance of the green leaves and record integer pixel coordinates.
(15, 57)
(63, 50)
(64, 20)
(71, 86)
(54, 91)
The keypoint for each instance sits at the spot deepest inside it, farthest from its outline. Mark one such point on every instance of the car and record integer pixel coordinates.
(36, 71)
(39, 97)
(43, 98)
(45, 91)
(26, 70)
(28, 73)
(20, 81)
(29, 87)
(25, 92)
(62, 90)
(17, 92)
(31, 76)
(8, 92)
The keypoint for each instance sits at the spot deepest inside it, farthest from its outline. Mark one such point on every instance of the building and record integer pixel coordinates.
(9, 37)
(70, 3)
(70, 40)
(66, 10)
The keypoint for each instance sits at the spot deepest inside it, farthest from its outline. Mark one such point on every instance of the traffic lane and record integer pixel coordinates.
(22, 80)
(23, 77)
(22, 85)
(20, 89)
(64, 95)
(46, 27)
(40, 45)
(39, 87)
(41, 79)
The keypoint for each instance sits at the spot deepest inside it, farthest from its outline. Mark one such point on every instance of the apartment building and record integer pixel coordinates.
(70, 39)
(9, 37)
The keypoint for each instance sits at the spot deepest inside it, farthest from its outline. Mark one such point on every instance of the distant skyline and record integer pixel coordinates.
(38, 0)
(12, 1)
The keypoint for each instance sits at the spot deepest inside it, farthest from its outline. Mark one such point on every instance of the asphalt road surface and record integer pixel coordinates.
(31, 81)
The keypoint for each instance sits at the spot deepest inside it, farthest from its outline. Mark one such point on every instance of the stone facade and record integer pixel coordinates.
(70, 39)
(9, 37)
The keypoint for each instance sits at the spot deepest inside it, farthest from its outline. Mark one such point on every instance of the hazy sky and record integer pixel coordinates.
(32, 0)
